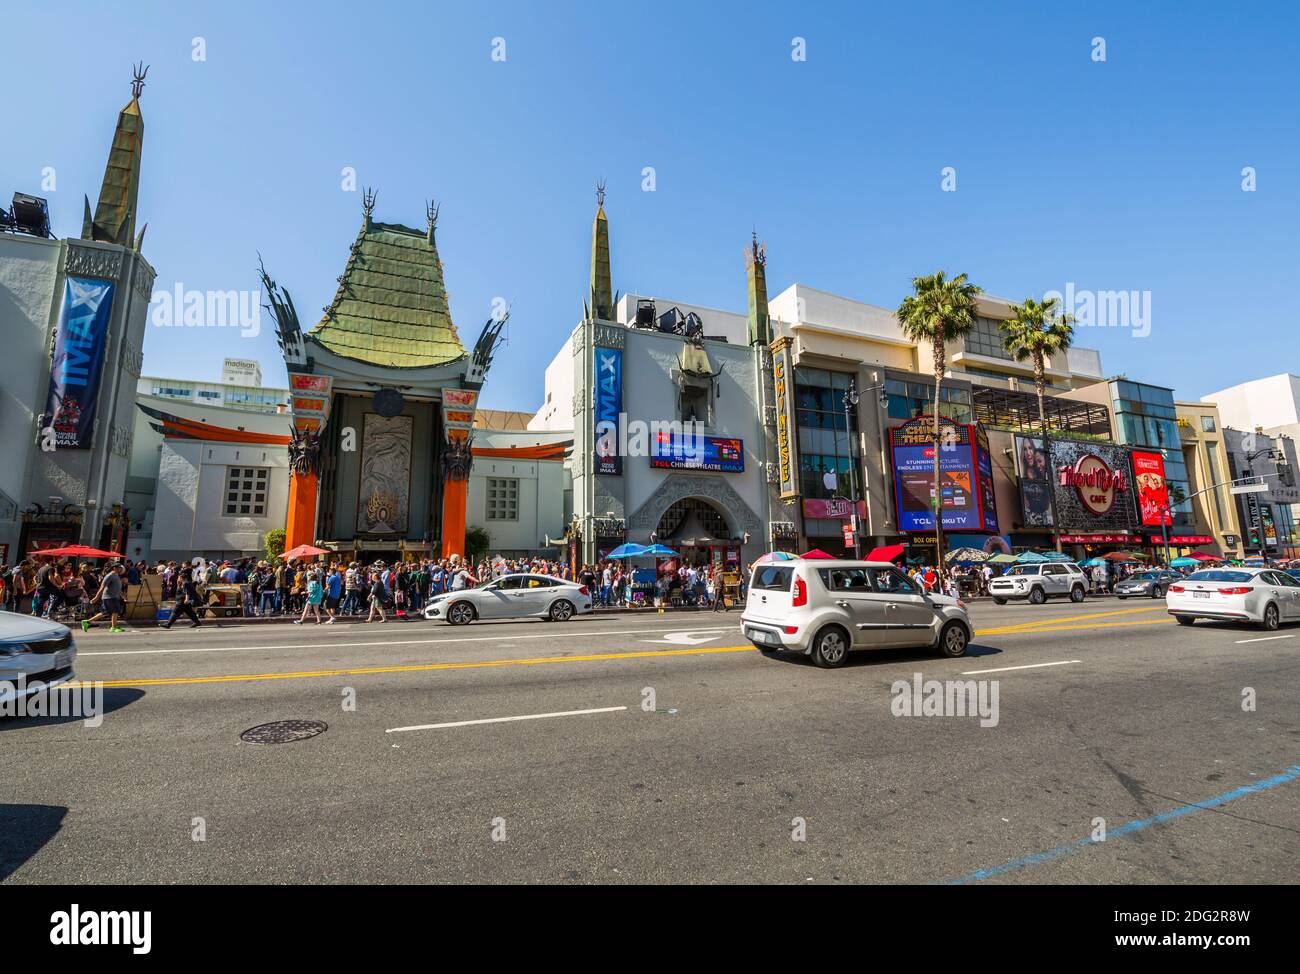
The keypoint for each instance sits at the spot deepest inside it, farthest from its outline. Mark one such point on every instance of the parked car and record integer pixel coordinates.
(512, 597)
(1038, 583)
(825, 609)
(40, 651)
(1266, 597)
(1152, 584)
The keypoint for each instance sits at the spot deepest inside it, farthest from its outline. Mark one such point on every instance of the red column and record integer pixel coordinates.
(300, 526)
(454, 496)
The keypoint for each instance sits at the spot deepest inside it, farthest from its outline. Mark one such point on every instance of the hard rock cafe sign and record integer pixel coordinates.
(1095, 483)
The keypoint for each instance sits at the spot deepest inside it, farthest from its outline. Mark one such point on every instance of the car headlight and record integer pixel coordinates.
(14, 649)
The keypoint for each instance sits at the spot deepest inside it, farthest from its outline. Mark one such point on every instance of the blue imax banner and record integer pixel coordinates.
(609, 404)
(78, 363)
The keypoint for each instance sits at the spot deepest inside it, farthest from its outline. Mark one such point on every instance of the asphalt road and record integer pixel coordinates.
(1105, 711)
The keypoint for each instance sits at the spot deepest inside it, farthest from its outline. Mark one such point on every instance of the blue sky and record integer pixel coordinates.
(1117, 175)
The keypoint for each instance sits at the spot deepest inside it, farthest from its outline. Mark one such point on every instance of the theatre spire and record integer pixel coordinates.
(115, 212)
(601, 298)
(760, 325)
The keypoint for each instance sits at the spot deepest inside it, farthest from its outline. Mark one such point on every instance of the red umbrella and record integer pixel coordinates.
(1202, 556)
(74, 551)
(304, 551)
(888, 553)
(817, 555)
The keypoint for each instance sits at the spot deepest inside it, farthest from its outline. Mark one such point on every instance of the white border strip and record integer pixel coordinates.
(504, 720)
(1264, 639)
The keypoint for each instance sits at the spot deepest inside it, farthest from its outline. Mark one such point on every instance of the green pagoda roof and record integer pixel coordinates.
(391, 306)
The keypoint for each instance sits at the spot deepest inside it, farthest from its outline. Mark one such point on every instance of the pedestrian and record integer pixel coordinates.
(333, 594)
(377, 596)
(313, 595)
(187, 596)
(110, 599)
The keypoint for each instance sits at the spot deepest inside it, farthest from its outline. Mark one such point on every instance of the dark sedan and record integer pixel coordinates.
(1151, 585)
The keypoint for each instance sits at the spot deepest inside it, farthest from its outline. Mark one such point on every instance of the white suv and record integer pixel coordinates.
(825, 608)
(1038, 583)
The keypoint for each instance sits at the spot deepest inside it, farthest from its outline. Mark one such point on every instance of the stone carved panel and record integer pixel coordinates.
(681, 486)
(609, 336)
(93, 262)
(120, 439)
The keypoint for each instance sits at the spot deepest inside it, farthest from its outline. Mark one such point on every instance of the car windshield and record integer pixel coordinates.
(1023, 570)
(1146, 575)
(1220, 575)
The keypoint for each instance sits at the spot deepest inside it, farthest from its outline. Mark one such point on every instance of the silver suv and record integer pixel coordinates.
(1038, 583)
(826, 608)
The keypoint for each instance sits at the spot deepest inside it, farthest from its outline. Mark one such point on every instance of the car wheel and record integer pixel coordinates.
(561, 610)
(1037, 596)
(953, 639)
(1270, 621)
(999, 601)
(1077, 593)
(460, 614)
(1185, 620)
(831, 648)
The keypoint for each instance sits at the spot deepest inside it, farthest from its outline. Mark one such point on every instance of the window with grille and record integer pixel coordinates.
(246, 491)
(502, 499)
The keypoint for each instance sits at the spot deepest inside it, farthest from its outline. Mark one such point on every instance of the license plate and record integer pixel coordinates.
(62, 658)
(760, 637)
(1201, 595)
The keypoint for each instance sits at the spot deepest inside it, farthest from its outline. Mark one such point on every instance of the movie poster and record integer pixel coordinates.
(80, 341)
(1034, 468)
(1152, 491)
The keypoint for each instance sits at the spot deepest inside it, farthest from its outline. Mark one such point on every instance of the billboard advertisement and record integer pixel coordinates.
(783, 384)
(609, 404)
(1152, 491)
(78, 363)
(962, 508)
(684, 451)
(1034, 469)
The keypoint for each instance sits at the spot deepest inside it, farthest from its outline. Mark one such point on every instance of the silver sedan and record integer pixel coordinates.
(512, 597)
(34, 654)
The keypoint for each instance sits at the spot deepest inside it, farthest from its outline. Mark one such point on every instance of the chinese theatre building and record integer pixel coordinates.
(382, 394)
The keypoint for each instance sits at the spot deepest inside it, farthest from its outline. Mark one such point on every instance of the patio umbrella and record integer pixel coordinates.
(627, 550)
(776, 556)
(966, 555)
(1125, 556)
(303, 551)
(1002, 559)
(1184, 563)
(1029, 558)
(1056, 556)
(817, 555)
(1202, 556)
(74, 551)
(886, 552)
(658, 549)
(1094, 562)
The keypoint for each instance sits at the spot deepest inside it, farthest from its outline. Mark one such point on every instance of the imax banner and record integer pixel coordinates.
(78, 362)
(609, 404)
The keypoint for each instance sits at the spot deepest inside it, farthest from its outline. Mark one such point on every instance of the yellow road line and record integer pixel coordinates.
(415, 667)
(538, 660)
(1031, 626)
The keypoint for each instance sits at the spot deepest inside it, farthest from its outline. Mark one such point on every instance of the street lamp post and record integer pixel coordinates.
(851, 400)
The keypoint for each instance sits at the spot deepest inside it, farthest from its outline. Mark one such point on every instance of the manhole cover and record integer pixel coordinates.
(283, 731)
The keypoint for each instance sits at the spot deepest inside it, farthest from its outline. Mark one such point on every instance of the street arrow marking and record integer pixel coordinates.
(690, 637)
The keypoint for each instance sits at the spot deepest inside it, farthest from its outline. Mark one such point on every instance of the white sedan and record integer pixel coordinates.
(1261, 596)
(512, 597)
(34, 653)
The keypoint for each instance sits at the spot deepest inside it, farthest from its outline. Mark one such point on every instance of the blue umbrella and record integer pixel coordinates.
(1057, 556)
(658, 549)
(627, 550)
(1094, 562)
(1029, 558)
(1184, 563)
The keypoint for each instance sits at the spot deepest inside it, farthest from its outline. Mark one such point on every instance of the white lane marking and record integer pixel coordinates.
(1264, 639)
(689, 637)
(395, 642)
(504, 720)
(1031, 666)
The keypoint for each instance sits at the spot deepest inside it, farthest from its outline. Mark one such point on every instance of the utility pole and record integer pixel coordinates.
(851, 400)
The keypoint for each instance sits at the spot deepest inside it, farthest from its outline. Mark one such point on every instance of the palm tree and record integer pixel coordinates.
(1036, 331)
(940, 311)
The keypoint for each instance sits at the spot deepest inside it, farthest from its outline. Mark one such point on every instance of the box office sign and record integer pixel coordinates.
(783, 382)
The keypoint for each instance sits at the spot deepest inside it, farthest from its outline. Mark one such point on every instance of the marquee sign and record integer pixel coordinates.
(1088, 484)
(783, 380)
(309, 400)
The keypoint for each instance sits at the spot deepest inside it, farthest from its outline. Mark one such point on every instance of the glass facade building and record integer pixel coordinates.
(1145, 417)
